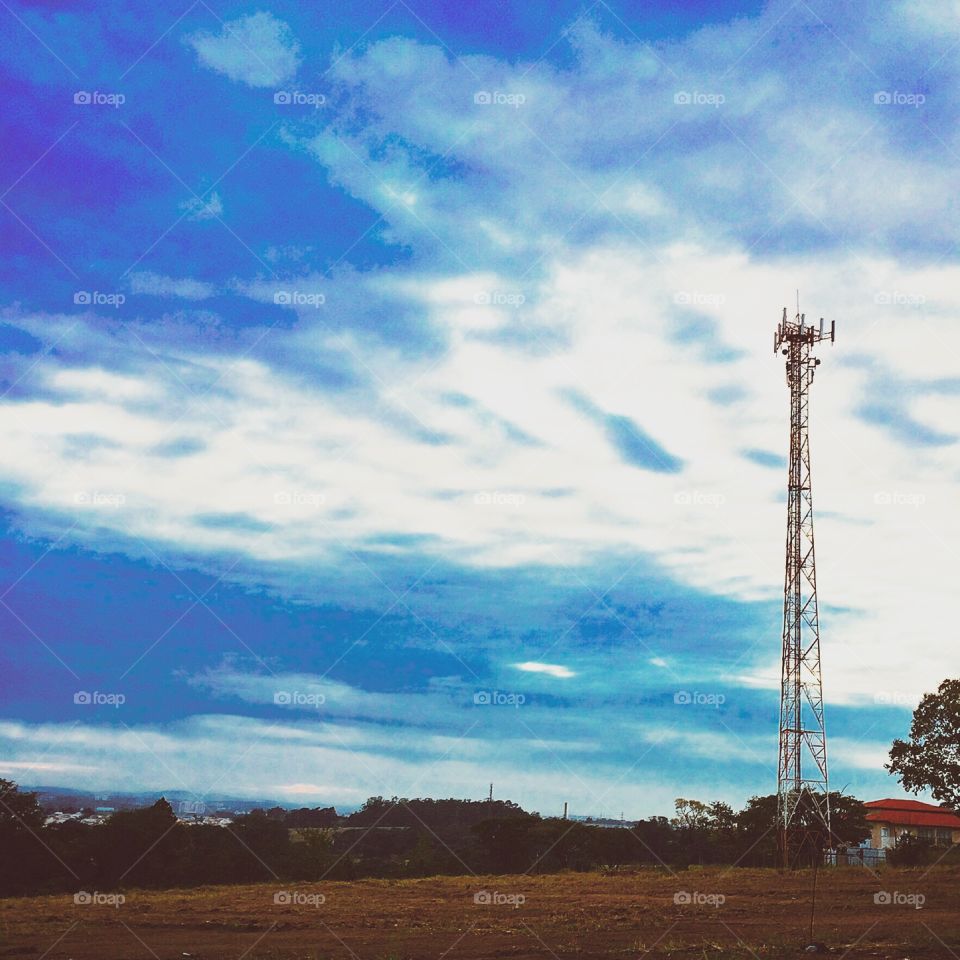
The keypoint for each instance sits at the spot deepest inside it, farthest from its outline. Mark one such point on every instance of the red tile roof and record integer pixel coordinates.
(911, 813)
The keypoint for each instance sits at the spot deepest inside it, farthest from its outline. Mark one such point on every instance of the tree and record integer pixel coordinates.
(506, 845)
(930, 759)
(848, 820)
(141, 847)
(911, 852)
(26, 858)
(424, 860)
(722, 816)
(311, 853)
(19, 811)
(265, 845)
(317, 817)
(704, 831)
(757, 825)
(691, 814)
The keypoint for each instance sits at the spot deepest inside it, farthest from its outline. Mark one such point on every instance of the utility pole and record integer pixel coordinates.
(803, 801)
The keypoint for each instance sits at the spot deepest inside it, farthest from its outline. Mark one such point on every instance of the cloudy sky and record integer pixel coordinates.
(389, 403)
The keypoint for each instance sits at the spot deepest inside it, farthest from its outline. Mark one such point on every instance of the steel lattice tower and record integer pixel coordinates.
(803, 803)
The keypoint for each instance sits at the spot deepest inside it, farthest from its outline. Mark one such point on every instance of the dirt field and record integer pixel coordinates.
(727, 913)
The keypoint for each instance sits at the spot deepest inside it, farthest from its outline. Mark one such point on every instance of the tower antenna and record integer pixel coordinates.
(803, 796)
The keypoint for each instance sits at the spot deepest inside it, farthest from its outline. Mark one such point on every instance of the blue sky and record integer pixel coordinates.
(361, 364)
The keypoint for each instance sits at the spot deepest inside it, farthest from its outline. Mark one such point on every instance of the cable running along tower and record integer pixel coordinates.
(803, 803)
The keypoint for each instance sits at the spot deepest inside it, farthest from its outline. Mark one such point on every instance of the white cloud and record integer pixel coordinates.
(859, 755)
(653, 245)
(242, 756)
(160, 286)
(481, 497)
(344, 763)
(97, 384)
(258, 50)
(199, 209)
(217, 755)
(318, 791)
(21, 767)
(550, 669)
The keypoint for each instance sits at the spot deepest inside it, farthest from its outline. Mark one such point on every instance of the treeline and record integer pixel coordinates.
(386, 838)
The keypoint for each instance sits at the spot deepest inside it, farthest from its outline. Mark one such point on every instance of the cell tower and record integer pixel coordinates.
(803, 802)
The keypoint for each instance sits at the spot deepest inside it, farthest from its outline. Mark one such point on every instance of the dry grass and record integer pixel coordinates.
(763, 914)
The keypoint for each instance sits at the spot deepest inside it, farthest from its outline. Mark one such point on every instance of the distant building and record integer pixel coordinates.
(891, 819)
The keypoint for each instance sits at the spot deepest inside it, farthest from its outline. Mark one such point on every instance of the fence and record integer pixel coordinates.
(856, 857)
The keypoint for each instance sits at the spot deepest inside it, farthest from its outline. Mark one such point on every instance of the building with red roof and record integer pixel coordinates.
(891, 819)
